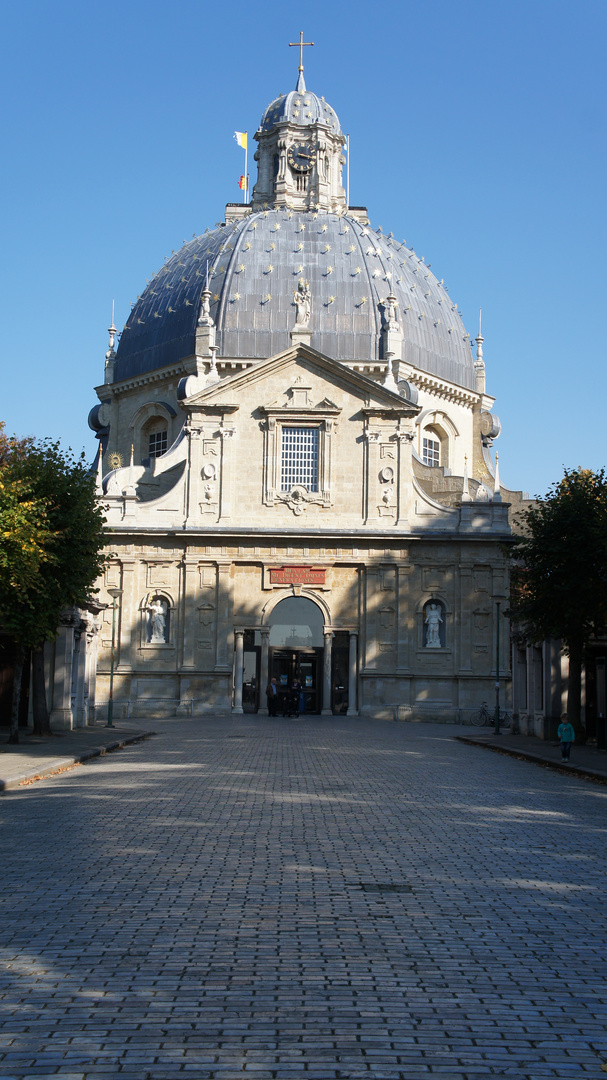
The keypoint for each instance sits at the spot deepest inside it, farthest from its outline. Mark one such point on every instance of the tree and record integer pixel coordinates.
(559, 580)
(51, 540)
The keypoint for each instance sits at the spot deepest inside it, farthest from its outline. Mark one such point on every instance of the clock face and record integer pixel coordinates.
(301, 157)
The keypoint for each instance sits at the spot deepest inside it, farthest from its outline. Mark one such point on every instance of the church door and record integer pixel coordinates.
(305, 665)
(296, 649)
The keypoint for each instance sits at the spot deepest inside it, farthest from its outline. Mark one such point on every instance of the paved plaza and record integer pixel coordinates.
(328, 898)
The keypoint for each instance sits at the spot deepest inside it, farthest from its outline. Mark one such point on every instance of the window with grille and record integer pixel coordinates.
(431, 452)
(299, 458)
(157, 443)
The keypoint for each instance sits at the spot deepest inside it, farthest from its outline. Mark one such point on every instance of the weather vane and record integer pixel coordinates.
(300, 45)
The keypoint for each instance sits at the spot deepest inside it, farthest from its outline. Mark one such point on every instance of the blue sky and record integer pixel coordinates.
(477, 131)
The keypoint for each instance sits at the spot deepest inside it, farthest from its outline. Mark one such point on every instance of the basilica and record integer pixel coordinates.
(295, 456)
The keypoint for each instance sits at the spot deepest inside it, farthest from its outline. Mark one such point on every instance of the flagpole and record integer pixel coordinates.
(245, 190)
(347, 172)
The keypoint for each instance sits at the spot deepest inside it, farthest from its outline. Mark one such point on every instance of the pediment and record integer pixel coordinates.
(298, 364)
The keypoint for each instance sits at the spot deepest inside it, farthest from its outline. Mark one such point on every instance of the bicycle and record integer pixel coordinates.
(484, 718)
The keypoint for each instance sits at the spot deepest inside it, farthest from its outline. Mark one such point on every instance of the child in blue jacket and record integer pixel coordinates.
(567, 735)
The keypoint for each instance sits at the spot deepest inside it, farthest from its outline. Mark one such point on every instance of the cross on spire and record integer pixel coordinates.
(300, 44)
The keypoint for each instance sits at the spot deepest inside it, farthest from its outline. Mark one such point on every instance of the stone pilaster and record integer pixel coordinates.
(224, 617)
(404, 441)
(373, 439)
(61, 712)
(227, 493)
(405, 625)
(127, 620)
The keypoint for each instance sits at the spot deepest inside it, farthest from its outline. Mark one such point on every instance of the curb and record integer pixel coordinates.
(59, 764)
(537, 759)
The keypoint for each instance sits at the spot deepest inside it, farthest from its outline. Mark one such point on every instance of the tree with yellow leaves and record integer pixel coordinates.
(51, 540)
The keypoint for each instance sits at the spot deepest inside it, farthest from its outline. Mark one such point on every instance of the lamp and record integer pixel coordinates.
(499, 598)
(114, 593)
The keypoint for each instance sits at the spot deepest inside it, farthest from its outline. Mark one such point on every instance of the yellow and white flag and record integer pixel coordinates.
(241, 138)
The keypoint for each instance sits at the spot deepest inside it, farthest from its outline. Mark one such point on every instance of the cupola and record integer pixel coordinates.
(300, 154)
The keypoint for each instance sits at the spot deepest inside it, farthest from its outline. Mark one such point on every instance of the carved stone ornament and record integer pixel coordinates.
(296, 499)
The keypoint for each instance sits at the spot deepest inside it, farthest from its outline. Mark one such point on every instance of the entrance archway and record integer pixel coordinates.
(296, 644)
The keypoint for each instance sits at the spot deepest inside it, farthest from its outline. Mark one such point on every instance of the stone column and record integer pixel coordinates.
(238, 670)
(326, 681)
(61, 712)
(264, 672)
(352, 710)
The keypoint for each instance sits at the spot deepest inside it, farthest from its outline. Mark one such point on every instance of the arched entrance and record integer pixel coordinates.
(296, 647)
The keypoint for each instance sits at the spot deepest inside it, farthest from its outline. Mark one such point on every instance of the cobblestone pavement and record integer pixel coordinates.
(328, 899)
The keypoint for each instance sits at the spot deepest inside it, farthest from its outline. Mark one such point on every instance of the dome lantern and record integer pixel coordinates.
(300, 154)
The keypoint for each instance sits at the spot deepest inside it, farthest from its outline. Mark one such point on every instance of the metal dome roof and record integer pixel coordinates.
(254, 265)
(301, 107)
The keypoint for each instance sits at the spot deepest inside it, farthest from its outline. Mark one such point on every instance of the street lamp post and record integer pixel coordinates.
(114, 593)
(498, 600)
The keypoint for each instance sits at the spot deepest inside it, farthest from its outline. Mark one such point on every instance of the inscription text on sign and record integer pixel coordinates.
(297, 575)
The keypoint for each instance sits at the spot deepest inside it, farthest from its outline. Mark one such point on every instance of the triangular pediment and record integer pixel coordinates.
(303, 359)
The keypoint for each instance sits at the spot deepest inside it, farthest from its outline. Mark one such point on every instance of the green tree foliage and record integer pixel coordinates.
(51, 538)
(559, 580)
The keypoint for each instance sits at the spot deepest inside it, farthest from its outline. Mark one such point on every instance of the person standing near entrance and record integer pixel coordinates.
(293, 698)
(567, 735)
(272, 696)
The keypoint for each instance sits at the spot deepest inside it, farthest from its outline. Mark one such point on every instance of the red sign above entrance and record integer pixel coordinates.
(297, 575)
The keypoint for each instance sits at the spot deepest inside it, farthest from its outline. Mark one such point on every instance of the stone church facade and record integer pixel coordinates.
(295, 456)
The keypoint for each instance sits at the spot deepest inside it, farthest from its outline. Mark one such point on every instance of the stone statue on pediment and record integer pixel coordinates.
(303, 300)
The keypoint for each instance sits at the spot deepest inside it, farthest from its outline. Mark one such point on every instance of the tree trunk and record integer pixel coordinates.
(17, 676)
(42, 724)
(574, 693)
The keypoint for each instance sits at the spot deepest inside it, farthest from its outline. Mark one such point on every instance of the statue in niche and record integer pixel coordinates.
(209, 491)
(303, 301)
(388, 495)
(158, 621)
(433, 621)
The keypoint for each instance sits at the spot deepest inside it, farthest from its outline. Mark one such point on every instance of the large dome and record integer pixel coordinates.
(254, 265)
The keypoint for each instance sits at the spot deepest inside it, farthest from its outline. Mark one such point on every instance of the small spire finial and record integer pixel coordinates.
(301, 86)
(479, 363)
(497, 491)
(112, 332)
(466, 487)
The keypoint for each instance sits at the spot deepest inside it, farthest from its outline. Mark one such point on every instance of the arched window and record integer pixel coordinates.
(153, 430)
(296, 622)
